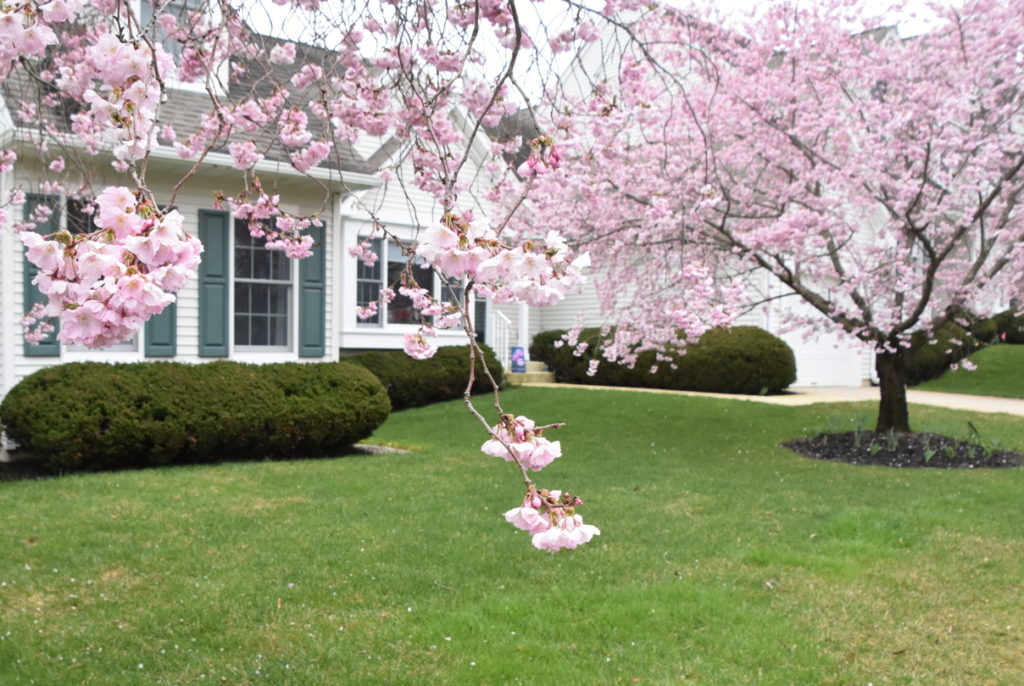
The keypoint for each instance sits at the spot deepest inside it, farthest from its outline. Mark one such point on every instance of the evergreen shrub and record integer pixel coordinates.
(743, 359)
(413, 383)
(926, 360)
(1011, 323)
(91, 415)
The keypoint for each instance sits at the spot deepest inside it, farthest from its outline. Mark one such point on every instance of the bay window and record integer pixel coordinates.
(386, 272)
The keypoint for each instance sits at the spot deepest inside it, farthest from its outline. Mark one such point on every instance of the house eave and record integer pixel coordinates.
(166, 156)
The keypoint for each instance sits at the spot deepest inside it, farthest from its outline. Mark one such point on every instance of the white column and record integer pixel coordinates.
(523, 328)
(9, 257)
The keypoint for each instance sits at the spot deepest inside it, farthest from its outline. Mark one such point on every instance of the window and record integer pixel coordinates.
(78, 219)
(370, 281)
(69, 214)
(179, 9)
(400, 310)
(263, 293)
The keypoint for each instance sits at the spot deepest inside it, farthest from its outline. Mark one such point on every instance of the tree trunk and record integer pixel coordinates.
(892, 380)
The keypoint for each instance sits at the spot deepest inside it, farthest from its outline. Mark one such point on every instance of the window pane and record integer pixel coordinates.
(424, 276)
(260, 298)
(278, 299)
(242, 237)
(259, 331)
(281, 266)
(367, 292)
(79, 221)
(243, 262)
(241, 329)
(480, 319)
(242, 303)
(395, 252)
(261, 264)
(178, 9)
(452, 293)
(399, 309)
(364, 272)
(279, 331)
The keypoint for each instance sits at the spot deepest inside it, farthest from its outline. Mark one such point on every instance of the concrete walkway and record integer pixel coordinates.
(841, 394)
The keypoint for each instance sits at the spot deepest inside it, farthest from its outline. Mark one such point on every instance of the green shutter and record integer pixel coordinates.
(312, 322)
(161, 332)
(214, 280)
(49, 346)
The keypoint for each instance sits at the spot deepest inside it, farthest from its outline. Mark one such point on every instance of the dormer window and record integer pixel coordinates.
(179, 9)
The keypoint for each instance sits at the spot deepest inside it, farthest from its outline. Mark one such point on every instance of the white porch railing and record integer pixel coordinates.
(499, 330)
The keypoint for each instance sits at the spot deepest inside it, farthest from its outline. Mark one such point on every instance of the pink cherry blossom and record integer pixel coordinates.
(283, 53)
(244, 154)
(569, 532)
(417, 347)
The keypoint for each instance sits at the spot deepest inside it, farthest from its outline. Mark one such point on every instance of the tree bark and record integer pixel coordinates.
(893, 414)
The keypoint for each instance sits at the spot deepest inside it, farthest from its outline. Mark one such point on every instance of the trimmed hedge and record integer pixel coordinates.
(743, 359)
(930, 360)
(1012, 324)
(87, 416)
(926, 361)
(413, 383)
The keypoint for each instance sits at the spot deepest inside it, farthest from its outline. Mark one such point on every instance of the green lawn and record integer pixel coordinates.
(1000, 372)
(724, 559)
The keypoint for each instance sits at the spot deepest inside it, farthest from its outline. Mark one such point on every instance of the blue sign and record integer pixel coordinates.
(518, 359)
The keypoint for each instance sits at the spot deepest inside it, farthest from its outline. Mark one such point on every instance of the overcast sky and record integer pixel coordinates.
(912, 16)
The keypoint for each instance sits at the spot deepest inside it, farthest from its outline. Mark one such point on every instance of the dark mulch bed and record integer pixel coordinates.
(21, 470)
(902, 450)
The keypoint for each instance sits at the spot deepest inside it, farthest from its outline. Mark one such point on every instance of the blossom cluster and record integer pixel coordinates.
(550, 517)
(460, 249)
(103, 286)
(281, 230)
(517, 439)
(544, 157)
(538, 273)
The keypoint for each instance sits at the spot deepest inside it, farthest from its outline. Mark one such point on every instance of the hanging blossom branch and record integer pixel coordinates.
(94, 81)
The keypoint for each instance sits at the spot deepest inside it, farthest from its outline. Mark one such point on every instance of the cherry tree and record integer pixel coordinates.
(875, 178)
(87, 84)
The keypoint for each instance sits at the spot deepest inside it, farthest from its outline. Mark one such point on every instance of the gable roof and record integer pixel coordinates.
(185, 108)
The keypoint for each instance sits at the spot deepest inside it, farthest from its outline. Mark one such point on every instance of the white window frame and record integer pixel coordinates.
(383, 311)
(264, 353)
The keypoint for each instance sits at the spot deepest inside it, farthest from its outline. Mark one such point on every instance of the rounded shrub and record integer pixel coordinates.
(86, 416)
(927, 360)
(542, 347)
(743, 359)
(413, 383)
(1012, 324)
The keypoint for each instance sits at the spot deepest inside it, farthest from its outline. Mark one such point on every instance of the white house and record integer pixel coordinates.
(248, 303)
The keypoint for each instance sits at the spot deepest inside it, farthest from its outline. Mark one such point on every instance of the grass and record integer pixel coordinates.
(1000, 373)
(724, 559)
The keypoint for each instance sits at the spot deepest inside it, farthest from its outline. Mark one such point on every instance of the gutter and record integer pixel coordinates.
(344, 180)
